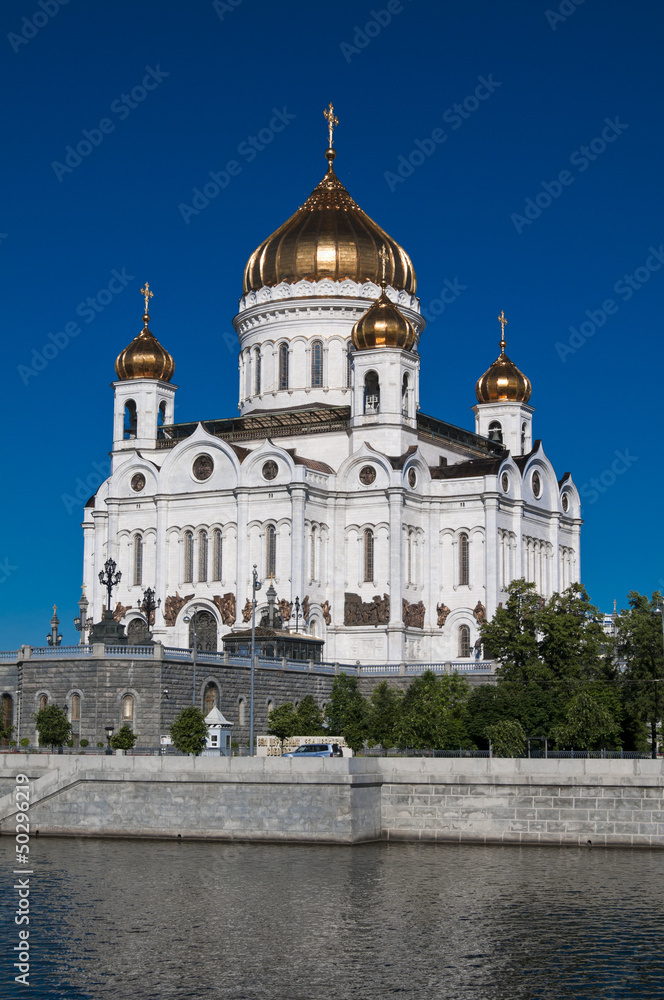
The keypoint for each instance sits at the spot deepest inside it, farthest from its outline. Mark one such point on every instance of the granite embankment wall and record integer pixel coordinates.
(345, 801)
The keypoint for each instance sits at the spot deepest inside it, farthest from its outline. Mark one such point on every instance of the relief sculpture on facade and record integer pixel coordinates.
(226, 608)
(327, 613)
(359, 612)
(173, 607)
(285, 609)
(443, 611)
(479, 613)
(413, 614)
(246, 611)
(120, 612)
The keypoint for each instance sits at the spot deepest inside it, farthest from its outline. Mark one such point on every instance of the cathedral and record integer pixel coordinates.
(387, 534)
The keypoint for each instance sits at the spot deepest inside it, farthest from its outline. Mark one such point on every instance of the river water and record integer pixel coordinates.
(140, 920)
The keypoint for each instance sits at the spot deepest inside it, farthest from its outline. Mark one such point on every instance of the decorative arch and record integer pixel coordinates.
(282, 355)
(130, 420)
(206, 627)
(317, 364)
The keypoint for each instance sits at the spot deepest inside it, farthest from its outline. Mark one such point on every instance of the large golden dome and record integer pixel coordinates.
(145, 357)
(383, 325)
(328, 237)
(503, 380)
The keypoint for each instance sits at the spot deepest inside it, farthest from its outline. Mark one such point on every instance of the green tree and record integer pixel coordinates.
(53, 726)
(511, 635)
(282, 722)
(640, 644)
(507, 738)
(189, 731)
(346, 711)
(487, 705)
(124, 739)
(588, 724)
(309, 718)
(433, 712)
(383, 715)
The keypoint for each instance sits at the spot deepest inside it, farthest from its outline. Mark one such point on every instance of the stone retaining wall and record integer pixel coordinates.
(346, 801)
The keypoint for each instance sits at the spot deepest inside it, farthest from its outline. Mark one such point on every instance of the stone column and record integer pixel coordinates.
(161, 567)
(298, 495)
(243, 569)
(396, 632)
(491, 553)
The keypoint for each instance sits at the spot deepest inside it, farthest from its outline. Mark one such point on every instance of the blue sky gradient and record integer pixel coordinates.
(539, 194)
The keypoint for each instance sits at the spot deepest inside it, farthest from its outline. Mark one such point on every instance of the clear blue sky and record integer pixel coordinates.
(552, 85)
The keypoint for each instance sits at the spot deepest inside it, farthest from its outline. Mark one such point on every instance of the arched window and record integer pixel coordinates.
(271, 551)
(130, 420)
(161, 419)
(188, 557)
(410, 557)
(257, 371)
(7, 717)
(463, 560)
(206, 632)
(127, 709)
(523, 438)
(138, 560)
(202, 556)
(210, 698)
(76, 708)
(313, 628)
(371, 393)
(43, 702)
(270, 706)
(464, 641)
(368, 556)
(404, 395)
(283, 366)
(216, 555)
(496, 431)
(241, 711)
(317, 364)
(349, 367)
(314, 542)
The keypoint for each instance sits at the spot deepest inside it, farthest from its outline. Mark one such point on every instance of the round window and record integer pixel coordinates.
(270, 470)
(537, 485)
(367, 475)
(412, 478)
(505, 482)
(138, 482)
(565, 502)
(203, 467)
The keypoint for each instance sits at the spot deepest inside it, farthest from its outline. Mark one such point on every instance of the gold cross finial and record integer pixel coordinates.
(383, 254)
(332, 120)
(147, 295)
(55, 608)
(503, 322)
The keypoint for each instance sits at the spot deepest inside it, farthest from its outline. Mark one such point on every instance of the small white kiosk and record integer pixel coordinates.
(218, 743)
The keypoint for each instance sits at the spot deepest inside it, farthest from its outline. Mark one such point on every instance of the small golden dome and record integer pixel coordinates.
(145, 357)
(503, 380)
(383, 325)
(328, 237)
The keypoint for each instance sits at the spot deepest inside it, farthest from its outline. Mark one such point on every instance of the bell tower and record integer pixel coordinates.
(502, 413)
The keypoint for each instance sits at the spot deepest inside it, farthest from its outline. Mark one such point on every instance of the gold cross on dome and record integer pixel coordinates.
(503, 322)
(147, 295)
(384, 256)
(55, 608)
(332, 120)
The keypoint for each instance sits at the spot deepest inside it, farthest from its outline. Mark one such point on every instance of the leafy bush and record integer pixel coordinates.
(508, 738)
(53, 726)
(84, 743)
(189, 731)
(124, 739)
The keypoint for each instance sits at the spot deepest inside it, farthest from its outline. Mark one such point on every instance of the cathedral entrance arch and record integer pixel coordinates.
(206, 631)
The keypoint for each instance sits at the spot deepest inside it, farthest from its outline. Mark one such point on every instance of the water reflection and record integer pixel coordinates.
(118, 919)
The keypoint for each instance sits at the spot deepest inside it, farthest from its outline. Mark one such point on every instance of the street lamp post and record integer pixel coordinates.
(109, 733)
(109, 579)
(53, 638)
(81, 623)
(297, 614)
(255, 587)
(187, 620)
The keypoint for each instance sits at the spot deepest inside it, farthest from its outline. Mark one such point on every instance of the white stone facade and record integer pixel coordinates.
(335, 487)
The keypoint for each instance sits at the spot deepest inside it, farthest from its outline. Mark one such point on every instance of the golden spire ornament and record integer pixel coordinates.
(147, 295)
(382, 253)
(332, 121)
(503, 324)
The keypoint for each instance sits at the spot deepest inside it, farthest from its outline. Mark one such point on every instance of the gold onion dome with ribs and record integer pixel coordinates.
(383, 325)
(328, 237)
(145, 357)
(503, 380)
